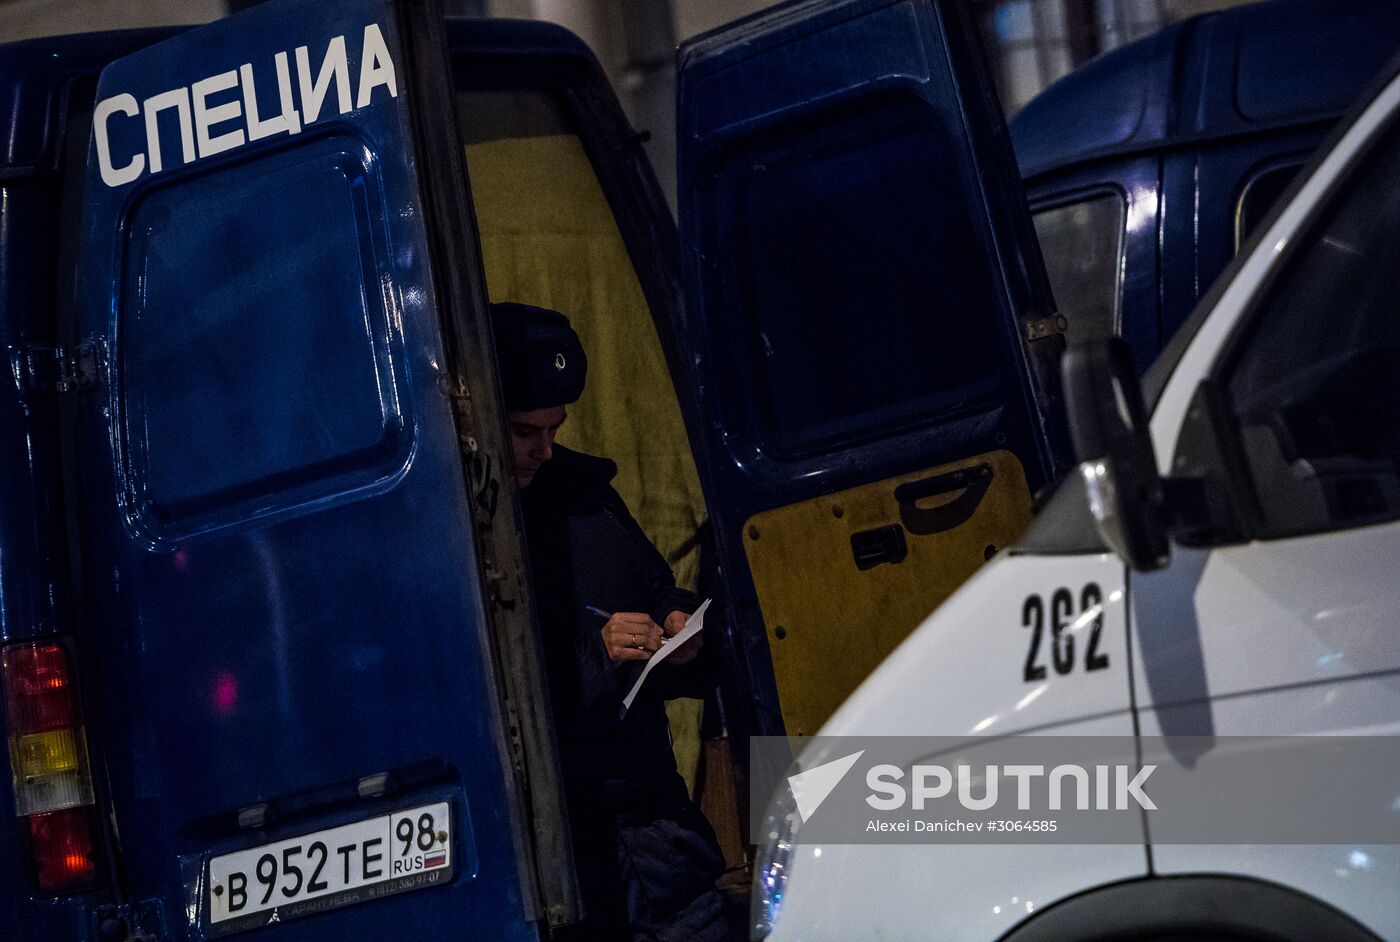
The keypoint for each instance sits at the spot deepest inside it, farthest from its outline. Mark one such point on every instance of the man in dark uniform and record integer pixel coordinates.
(647, 859)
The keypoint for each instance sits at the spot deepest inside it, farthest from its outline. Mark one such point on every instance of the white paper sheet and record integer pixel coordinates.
(693, 624)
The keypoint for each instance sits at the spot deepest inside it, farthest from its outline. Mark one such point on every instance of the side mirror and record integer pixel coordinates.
(1109, 427)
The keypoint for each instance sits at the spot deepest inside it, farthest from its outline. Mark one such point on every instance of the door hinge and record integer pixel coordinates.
(40, 369)
(1041, 327)
(501, 590)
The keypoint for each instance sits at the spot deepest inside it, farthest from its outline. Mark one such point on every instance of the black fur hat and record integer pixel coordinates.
(542, 362)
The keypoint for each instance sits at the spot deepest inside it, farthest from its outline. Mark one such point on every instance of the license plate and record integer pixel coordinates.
(406, 850)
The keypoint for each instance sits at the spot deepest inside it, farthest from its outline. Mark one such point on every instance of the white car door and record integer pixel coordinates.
(1295, 628)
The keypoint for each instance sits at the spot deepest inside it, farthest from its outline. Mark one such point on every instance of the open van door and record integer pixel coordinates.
(871, 327)
(295, 707)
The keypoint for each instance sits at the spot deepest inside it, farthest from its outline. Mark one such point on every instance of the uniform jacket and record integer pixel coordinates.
(644, 854)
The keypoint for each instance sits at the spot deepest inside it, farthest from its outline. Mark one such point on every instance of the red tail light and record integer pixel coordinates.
(38, 692)
(48, 764)
(61, 842)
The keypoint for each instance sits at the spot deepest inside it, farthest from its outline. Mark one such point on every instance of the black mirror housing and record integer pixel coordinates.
(1114, 448)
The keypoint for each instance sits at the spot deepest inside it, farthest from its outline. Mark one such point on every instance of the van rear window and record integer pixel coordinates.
(859, 305)
(269, 377)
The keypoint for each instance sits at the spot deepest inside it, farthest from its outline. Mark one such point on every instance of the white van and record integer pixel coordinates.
(1246, 581)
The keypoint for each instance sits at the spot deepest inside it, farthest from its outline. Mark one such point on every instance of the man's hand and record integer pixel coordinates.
(689, 651)
(632, 636)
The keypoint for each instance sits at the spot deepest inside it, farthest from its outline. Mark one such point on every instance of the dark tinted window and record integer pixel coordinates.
(1259, 196)
(1082, 244)
(272, 378)
(1314, 385)
(865, 302)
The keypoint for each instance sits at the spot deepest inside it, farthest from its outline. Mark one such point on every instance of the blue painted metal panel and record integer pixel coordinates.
(858, 263)
(280, 546)
(1237, 71)
(1219, 171)
(36, 75)
(1114, 104)
(39, 78)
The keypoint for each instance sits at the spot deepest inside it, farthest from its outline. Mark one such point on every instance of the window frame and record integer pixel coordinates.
(1237, 471)
(1298, 162)
(1072, 197)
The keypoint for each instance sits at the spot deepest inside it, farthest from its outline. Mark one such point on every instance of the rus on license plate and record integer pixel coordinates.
(406, 850)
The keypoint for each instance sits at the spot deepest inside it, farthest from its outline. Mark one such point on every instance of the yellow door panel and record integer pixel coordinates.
(842, 579)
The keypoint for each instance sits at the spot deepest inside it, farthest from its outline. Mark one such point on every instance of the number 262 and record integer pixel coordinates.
(1062, 628)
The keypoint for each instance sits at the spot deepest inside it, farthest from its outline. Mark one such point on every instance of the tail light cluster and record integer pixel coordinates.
(48, 760)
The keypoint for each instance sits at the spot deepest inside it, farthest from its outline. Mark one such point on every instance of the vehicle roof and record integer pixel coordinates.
(1235, 71)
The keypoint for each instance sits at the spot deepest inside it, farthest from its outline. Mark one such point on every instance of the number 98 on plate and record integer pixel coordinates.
(392, 853)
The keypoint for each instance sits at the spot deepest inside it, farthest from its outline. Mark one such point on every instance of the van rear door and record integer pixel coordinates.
(296, 698)
(871, 326)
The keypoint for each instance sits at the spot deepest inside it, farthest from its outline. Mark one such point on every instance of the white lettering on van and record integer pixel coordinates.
(179, 99)
(206, 117)
(222, 112)
(287, 122)
(376, 67)
(114, 176)
(333, 65)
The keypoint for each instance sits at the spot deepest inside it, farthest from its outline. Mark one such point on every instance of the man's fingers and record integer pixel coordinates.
(629, 634)
(633, 636)
(627, 639)
(640, 649)
(633, 623)
(625, 650)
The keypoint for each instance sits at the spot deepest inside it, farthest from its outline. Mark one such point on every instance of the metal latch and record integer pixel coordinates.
(77, 369)
(1042, 327)
(47, 369)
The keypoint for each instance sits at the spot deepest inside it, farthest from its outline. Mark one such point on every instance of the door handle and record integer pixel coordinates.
(923, 521)
(885, 544)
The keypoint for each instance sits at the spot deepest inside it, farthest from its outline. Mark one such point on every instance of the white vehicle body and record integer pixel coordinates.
(1295, 635)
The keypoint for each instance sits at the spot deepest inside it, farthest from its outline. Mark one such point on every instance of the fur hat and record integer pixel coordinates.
(542, 362)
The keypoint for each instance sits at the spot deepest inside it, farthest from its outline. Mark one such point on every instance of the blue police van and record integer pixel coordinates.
(1147, 169)
(269, 655)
